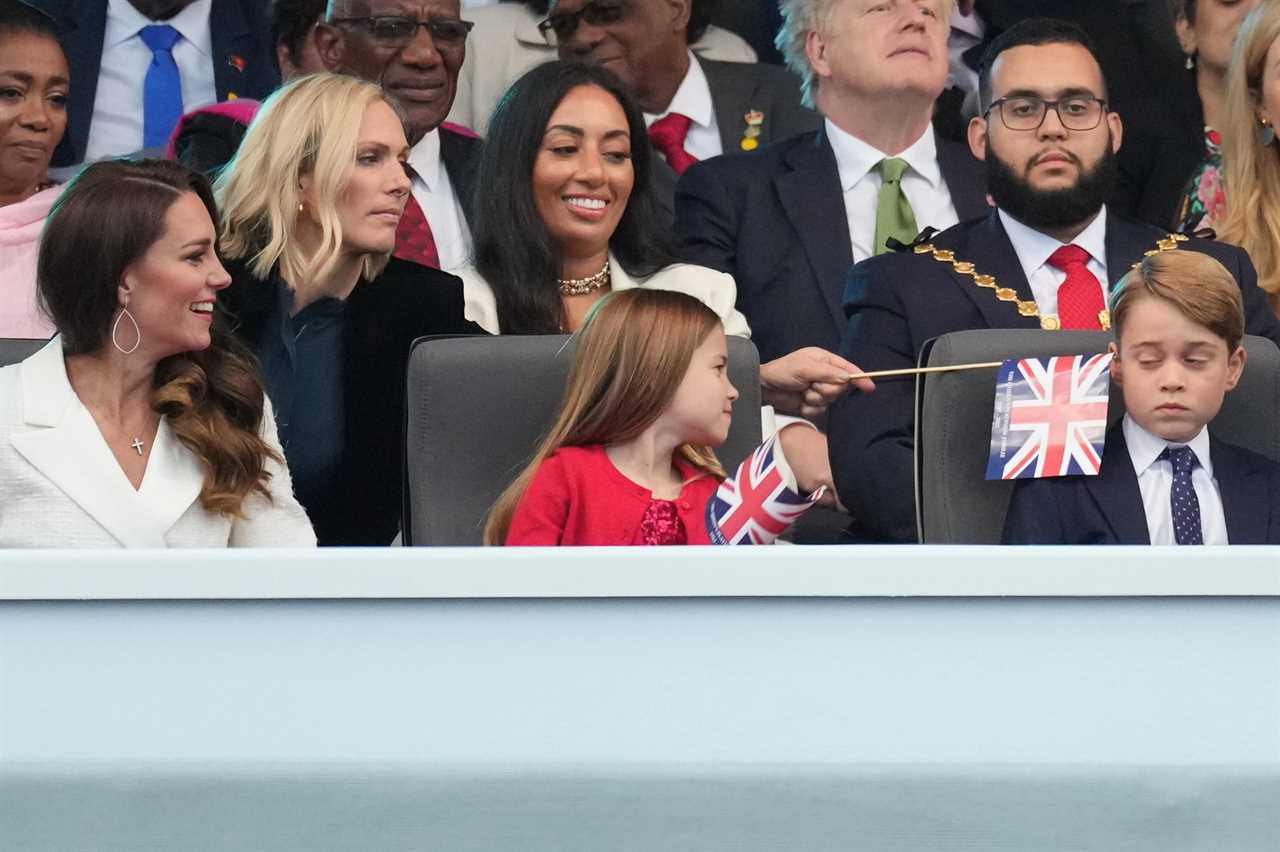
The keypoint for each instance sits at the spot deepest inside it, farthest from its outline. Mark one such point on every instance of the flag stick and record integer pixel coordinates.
(912, 371)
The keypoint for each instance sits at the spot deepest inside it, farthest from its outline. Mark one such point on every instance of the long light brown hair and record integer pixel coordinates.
(1252, 170)
(104, 221)
(633, 351)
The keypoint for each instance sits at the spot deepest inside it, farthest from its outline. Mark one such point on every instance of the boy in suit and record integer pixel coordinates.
(1178, 321)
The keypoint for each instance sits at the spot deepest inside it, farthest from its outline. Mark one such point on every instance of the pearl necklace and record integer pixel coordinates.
(582, 286)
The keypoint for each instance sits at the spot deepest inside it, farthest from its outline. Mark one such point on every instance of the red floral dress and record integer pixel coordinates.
(1204, 201)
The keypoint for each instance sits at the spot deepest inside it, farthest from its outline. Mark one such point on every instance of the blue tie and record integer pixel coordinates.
(162, 89)
(1182, 496)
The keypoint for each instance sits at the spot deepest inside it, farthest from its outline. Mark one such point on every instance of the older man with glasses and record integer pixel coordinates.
(696, 108)
(1045, 257)
(414, 49)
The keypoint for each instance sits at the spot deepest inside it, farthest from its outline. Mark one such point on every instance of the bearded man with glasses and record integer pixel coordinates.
(414, 49)
(1045, 257)
(695, 108)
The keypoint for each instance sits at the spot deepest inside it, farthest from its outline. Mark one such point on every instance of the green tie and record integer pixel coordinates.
(893, 212)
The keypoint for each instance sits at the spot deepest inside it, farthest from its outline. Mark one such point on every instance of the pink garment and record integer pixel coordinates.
(20, 227)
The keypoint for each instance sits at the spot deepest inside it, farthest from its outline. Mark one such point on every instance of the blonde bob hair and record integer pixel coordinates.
(310, 127)
(1252, 170)
(633, 352)
(801, 17)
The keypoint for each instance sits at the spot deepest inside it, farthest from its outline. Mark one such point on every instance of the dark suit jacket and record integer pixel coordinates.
(1107, 508)
(460, 153)
(738, 88)
(897, 302)
(384, 317)
(775, 220)
(243, 58)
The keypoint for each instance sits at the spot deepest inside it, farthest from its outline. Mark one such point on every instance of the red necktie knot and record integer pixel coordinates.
(414, 240)
(667, 135)
(1069, 256)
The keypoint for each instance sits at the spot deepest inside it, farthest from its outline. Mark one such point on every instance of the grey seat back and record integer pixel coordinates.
(954, 502)
(15, 349)
(477, 408)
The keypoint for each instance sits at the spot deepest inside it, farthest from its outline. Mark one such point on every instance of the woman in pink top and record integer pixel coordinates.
(34, 87)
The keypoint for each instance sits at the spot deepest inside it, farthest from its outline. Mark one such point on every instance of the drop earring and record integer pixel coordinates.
(115, 328)
(1191, 62)
(1264, 132)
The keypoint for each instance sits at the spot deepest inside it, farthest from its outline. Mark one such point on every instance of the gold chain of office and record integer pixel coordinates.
(1028, 308)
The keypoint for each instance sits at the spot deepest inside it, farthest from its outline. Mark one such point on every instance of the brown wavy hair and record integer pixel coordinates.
(105, 221)
(633, 351)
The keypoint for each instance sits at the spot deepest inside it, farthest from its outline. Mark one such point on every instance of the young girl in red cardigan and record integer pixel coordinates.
(629, 459)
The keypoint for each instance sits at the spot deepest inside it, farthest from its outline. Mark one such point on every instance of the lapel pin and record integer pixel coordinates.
(751, 135)
(237, 62)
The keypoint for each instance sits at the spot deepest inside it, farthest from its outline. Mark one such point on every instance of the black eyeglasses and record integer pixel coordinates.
(395, 31)
(1027, 112)
(561, 26)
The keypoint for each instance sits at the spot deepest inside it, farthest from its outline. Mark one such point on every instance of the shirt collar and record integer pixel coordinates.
(855, 158)
(192, 23)
(1034, 247)
(692, 99)
(425, 159)
(1145, 448)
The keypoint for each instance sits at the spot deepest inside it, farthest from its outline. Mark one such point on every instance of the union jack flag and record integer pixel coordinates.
(756, 505)
(1050, 417)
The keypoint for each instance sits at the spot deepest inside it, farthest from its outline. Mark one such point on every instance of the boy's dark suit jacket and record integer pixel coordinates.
(384, 317)
(1107, 508)
(738, 88)
(775, 220)
(896, 302)
(243, 58)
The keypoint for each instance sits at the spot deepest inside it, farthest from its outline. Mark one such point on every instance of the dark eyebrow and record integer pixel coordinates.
(1069, 92)
(24, 77)
(617, 134)
(566, 128)
(204, 242)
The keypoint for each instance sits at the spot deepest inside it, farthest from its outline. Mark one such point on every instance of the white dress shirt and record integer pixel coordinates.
(1033, 249)
(116, 127)
(922, 183)
(693, 99)
(1155, 481)
(434, 193)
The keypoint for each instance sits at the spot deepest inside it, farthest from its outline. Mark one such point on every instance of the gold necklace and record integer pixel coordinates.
(583, 286)
(1027, 308)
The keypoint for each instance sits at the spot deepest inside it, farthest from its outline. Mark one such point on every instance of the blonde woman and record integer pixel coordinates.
(310, 206)
(1251, 156)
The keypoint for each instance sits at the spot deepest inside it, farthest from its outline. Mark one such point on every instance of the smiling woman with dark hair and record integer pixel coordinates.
(566, 212)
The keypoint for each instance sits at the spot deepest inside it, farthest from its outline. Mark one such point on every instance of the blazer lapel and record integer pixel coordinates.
(1244, 495)
(233, 49)
(730, 100)
(987, 247)
(86, 26)
(1115, 490)
(811, 196)
(72, 454)
(965, 177)
(1127, 242)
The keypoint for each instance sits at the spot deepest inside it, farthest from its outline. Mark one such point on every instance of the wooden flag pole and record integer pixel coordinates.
(913, 371)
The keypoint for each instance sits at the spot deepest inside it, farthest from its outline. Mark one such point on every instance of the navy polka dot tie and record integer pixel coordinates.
(1182, 496)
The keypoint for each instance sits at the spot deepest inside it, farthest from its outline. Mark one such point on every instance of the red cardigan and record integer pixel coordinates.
(578, 497)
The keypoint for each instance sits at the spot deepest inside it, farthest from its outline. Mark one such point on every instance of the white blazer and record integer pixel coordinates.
(60, 485)
(714, 289)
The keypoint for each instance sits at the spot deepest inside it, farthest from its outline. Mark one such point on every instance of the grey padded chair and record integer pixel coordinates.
(955, 504)
(15, 349)
(477, 408)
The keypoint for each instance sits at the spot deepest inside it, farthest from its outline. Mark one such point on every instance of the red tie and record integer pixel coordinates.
(414, 240)
(1080, 296)
(667, 135)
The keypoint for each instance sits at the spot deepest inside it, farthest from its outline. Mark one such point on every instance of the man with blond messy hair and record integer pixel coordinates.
(790, 220)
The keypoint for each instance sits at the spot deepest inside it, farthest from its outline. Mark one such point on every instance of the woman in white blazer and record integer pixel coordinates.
(142, 423)
(565, 212)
